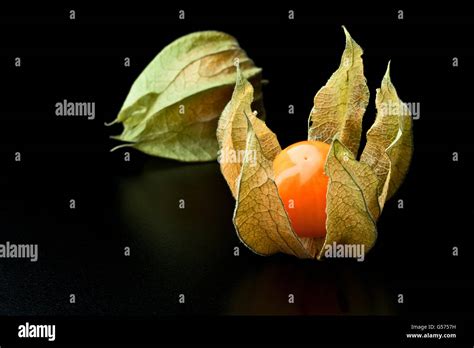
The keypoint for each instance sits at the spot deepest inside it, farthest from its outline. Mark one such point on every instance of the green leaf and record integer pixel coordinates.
(389, 146)
(340, 105)
(173, 107)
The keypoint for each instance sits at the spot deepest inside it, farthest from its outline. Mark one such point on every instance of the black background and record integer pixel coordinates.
(190, 251)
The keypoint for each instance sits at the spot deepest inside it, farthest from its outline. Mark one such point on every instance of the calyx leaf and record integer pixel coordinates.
(340, 105)
(357, 190)
(351, 204)
(389, 145)
(232, 132)
(260, 218)
(173, 107)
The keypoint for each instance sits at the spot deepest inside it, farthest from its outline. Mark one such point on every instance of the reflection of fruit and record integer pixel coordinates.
(302, 185)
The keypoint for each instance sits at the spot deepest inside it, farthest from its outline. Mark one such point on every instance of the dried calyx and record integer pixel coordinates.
(173, 107)
(357, 189)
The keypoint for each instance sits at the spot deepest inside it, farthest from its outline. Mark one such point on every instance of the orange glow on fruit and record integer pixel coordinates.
(302, 185)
